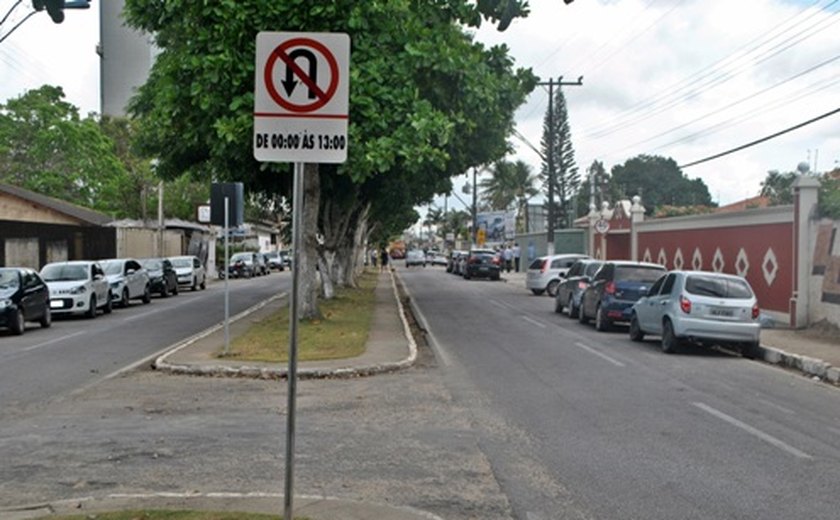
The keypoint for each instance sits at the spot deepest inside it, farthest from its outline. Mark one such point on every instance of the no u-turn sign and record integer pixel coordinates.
(301, 98)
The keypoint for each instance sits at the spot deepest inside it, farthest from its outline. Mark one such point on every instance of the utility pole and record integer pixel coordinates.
(474, 209)
(551, 83)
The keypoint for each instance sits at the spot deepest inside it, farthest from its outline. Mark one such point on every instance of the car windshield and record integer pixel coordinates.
(152, 265)
(181, 262)
(9, 279)
(637, 273)
(112, 267)
(241, 257)
(718, 286)
(64, 273)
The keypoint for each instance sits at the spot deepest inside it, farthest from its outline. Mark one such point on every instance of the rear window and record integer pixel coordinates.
(718, 287)
(637, 273)
(592, 268)
(536, 264)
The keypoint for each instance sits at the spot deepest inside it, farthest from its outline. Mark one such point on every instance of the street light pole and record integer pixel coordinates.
(474, 213)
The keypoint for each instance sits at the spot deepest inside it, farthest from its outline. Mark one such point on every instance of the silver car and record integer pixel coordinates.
(546, 272)
(701, 307)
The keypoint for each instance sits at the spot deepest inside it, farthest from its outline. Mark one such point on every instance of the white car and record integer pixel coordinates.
(189, 271)
(547, 272)
(128, 280)
(77, 287)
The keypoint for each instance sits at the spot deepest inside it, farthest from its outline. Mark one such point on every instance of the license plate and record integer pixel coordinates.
(56, 304)
(483, 269)
(721, 312)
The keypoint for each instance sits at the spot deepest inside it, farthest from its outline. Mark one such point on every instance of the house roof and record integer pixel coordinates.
(85, 215)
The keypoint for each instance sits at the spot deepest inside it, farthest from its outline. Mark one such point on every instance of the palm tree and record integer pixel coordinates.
(511, 183)
(434, 217)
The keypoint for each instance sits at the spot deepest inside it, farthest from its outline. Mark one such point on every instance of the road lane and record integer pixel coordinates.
(45, 364)
(625, 437)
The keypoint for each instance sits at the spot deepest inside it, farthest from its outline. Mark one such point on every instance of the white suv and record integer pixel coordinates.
(546, 272)
(189, 271)
(77, 287)
(128, 280)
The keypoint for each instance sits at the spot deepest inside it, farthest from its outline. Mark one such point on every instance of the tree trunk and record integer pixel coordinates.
(308, 256)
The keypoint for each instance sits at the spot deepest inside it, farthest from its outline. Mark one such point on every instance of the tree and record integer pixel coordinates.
(605, 190)
(46, 147)
(451, 108)
(659, 182)
(559, 153)
(778, 187)
(509, 183)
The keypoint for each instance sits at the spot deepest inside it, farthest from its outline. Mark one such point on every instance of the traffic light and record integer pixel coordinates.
(55, 8)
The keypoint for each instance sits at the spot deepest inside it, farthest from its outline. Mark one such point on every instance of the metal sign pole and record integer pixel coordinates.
(297, 233)
(227, 275)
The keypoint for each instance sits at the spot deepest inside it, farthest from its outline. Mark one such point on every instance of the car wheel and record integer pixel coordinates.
(203, 284)
(537, 292)
(574, 311)
(194, 285)
(670, 342)
(558, 306)
(582, 317)
(602, 323)
(109, 305)
(175, 289)
(46, 319)
(496, 277)
(751, 350)
(17, 325)
(164, 292)
(147, 295)
(124, 301)
(91, 312)
(552, 288)
(636, 333)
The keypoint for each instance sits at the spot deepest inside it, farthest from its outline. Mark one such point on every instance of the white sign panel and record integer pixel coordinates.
(301, 97)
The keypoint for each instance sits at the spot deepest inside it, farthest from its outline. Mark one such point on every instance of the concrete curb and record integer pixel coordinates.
(808, 366)
(256, 372)
(320, 507)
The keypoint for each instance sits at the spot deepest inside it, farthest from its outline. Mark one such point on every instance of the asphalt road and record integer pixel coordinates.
(75, 353)
(578, 423)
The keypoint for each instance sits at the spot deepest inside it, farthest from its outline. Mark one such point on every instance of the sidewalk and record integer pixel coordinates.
(803, 350)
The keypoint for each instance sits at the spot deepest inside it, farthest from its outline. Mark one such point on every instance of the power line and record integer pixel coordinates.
(763, 139)
(713, 75)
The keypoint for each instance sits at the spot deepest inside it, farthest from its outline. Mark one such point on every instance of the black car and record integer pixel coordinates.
(163, 278)
(23, 297)
(482, 264)
(575, 281)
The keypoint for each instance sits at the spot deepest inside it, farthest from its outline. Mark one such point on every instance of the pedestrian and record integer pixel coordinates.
(383, 259)
(373, 256)
(516, 254)
(508, 256)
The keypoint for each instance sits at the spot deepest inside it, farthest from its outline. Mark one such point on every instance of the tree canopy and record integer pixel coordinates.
(660, 182)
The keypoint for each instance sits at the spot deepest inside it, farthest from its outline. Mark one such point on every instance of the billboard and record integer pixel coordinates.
(498, 226)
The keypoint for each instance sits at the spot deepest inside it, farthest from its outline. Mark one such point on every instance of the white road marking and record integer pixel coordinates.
(603, 356)
(142, 315)
(55, 340)
(535, 322)
(766, 437)
(500, 304)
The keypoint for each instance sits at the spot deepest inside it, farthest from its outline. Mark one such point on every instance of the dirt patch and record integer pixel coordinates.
(823, 329)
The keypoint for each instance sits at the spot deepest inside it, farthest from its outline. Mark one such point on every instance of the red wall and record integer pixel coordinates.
(773, 294)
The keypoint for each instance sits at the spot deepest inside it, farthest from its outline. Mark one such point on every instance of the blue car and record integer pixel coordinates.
(616, 286)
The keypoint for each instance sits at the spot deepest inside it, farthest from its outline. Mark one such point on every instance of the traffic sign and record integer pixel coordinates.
(301, 97)
(602, 226)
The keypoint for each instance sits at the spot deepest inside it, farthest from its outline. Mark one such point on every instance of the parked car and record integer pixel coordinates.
(128, 281)
(701, 307)
(482, 263)
(452, 262)
(287, 259)
(23, 297)
(439, 259)
(162, 277)
(546, 272)
(616, 286)
(275, 261)
(77, 287)
(576, 281)
(415, 257)
(190, 272)
(242, 265)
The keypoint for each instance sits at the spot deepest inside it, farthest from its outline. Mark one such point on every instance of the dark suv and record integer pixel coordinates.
(482, 264)
(575, 281)
(616, 286)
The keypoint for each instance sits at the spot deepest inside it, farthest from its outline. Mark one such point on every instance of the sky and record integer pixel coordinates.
(685, 79)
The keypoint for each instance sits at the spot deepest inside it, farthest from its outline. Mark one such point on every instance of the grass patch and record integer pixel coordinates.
(341, 333)
(169, 515)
